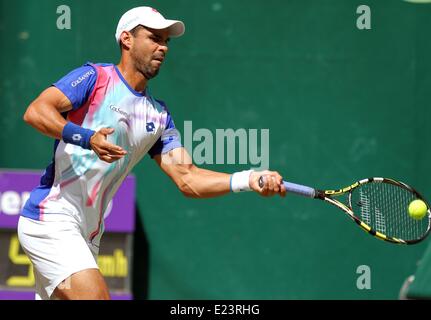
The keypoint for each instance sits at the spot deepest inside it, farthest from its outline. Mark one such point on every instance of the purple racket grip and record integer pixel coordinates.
(295, 188)
(300, 189)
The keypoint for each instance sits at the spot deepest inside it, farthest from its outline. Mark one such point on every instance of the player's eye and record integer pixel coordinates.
(159, 40)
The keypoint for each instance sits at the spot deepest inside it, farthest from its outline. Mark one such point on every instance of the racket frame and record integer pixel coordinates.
(328, 196)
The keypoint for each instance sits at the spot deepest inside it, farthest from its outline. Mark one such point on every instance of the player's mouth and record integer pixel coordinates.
(159, 59)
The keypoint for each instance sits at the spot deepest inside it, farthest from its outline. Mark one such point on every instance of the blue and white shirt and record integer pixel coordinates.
(77, 186)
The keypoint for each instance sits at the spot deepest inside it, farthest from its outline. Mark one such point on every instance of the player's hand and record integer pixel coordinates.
(273, 183)
(105, 150)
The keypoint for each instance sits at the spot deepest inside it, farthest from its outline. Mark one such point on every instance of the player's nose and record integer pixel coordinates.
(164, 48)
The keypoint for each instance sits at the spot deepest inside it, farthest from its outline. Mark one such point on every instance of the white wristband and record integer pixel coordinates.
(239, 181)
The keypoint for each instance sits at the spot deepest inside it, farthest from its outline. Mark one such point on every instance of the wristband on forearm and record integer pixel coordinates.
(77, 135)
(239, 181)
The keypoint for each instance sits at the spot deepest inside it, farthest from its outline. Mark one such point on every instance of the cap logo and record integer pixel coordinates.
(154, 10)
(128, 23)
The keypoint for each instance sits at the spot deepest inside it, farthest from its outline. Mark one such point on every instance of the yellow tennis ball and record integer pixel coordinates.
(417, 209)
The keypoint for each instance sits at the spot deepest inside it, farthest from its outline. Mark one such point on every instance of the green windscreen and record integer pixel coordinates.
(340, 104)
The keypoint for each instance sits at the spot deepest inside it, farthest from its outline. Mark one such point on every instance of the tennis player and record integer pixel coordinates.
(104, 120)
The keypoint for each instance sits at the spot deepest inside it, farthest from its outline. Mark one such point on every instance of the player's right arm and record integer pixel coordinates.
(45, 115)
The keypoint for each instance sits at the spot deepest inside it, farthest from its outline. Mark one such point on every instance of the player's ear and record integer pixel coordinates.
(126, 40)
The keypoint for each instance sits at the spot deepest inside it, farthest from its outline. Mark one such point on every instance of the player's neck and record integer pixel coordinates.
(134, 78)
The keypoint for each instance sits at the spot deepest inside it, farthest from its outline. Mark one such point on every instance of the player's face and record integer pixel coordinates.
(148, 51)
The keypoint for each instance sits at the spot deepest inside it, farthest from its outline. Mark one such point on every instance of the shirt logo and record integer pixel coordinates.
(82, 78)
(150, 127)
(118, 110)
(76, 137)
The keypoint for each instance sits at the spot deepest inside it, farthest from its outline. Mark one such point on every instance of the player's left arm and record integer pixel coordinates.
(196, 182)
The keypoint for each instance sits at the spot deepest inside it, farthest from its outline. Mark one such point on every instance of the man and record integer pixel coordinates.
(104, 120)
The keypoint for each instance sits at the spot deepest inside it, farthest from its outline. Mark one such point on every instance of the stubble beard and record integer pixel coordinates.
(144, 67)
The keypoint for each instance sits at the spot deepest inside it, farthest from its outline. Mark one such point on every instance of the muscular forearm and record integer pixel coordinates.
(44, 113)
(45, 118)
(195, 182)
(202, 183)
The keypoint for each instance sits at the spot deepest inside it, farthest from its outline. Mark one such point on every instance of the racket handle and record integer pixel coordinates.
(295, 188)
(300, 189)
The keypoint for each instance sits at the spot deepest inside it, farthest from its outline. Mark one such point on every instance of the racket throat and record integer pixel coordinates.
(320, 194)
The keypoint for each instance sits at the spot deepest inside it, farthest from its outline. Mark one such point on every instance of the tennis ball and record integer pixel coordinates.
(417, 209)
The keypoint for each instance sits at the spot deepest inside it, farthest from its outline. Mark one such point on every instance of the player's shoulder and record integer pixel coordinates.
(83, 76)
(101, 64)
(93, 66)
(159, 104)
(88, 70)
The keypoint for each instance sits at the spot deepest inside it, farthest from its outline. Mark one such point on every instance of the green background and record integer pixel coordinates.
(341, 104)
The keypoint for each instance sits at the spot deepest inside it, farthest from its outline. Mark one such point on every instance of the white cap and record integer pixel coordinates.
(148, 17)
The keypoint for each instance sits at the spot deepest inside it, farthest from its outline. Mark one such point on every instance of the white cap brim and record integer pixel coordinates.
(176, 28)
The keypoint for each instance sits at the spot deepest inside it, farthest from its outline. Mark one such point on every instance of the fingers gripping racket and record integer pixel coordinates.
(378, 205)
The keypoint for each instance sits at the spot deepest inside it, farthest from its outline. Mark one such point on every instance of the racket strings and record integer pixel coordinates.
(384, 207)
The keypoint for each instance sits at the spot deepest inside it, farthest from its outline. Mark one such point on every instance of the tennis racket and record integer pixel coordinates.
(378, 205)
